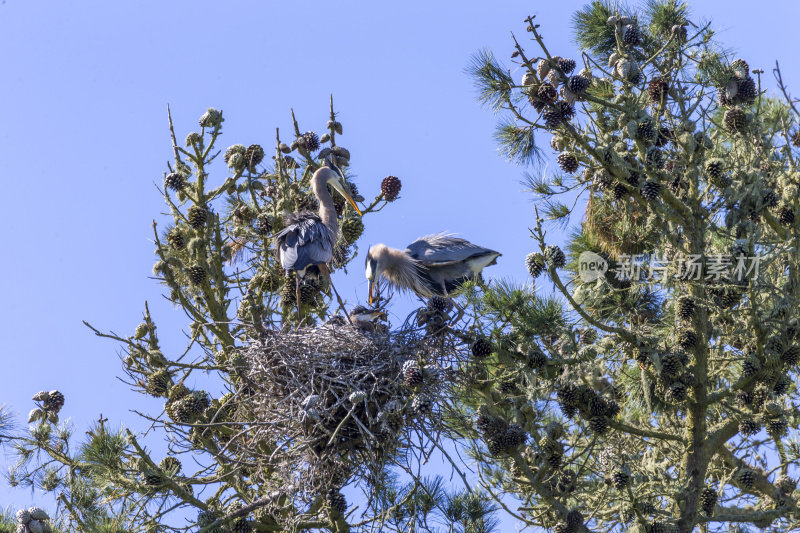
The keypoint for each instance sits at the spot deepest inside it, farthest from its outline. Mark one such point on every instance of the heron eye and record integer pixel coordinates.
(371, 267)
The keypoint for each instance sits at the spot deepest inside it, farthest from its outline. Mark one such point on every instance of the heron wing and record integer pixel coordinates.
(443, 250)
(305, 241)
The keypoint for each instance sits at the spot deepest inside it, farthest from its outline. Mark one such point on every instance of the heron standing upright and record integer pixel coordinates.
(432, 265)
(306, 243)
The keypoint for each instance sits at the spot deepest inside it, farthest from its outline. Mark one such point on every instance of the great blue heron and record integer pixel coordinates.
(306, 243)
(434, 264)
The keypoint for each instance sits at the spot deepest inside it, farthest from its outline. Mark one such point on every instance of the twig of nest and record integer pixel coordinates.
(339, 399)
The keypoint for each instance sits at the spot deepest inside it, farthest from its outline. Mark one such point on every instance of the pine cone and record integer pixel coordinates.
(197, 216)
(175, 181)
(197, 274)
(782, 385)
(676, 392)
(234, 155)
(651, 190)
(578, 84)
(390, 187)
(440, 304)
(566, 64)
(352, 228)
(254, 155)
(170, 465)
(791, 356)
(536, 358)
(645, 130)
(568, 395)
(53, 402)
(535, 264)
(175, 239)
(568, 162)
(337, 502)
(786, 216)
(514, 437)
(735, 120)
(598, 425)
(631, 35)
(685, 308)
(158, 383)
(542, 68)
(547, 93)
(422, 404)
(670, 363)
(554, 256)
(565, 109)
(654, 158)
(746, 91)
(620, 479)
(552, 118)
(574, 519)
(412, 376)
(657, 89)
(776, 428)
(741, 68)
(687, 339)
(482, 348)
(262, 224)
(747, 477)
(748, 427)
(310, 141)
(708, 500)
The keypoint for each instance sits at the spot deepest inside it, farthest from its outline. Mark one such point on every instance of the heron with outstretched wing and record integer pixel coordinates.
(432, 265)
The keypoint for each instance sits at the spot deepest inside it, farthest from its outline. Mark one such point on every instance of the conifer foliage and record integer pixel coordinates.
(228, 467)
(652, 423)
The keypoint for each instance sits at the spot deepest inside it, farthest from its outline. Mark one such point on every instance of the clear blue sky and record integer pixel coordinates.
(84, 137)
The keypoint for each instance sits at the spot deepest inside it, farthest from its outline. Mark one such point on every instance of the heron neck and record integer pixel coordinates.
(327, 211)
(404, 272)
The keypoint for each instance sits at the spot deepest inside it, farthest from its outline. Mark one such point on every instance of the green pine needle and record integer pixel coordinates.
(538, 184)
(664, 14)
(494, 84)
(556, 212)
(517, 143)
(592, 31)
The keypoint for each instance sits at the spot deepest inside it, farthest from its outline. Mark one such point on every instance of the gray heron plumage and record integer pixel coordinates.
(364, 318)
(432, 265)
(307, 241)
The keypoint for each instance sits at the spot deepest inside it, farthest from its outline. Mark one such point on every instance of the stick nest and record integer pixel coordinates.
(338, 401)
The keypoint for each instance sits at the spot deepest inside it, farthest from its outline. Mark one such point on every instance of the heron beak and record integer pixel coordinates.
(371, 285)
(336, 184)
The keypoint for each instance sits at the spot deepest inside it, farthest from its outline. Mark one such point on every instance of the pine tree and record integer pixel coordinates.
(216, 261)
(705, 167)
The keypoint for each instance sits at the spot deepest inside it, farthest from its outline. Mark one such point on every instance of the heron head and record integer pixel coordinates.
(375, 264)
(336, 180)
(366, 314)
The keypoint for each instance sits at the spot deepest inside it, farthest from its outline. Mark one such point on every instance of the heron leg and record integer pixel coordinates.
(460, 310)
(297, 297)
(458, 307)
(323, 269)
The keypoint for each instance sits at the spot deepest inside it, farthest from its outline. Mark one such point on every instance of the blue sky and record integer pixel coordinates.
(84, 137)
